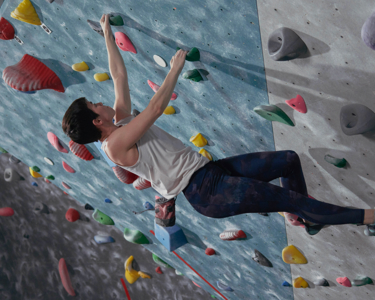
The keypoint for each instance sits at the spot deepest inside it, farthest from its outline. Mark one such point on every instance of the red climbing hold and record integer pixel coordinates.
(6, 212)
(141, 184)
(30, 74)
(6, 30)
(65, 279)
(158, 270)
(196, 284)
(80, 151)
(124, 42)
(155, 88)
(232, 234)
(67, 167)
(298, 104)
(66, 193)
(210, 251)
(72, 215)
(65, 185)
(53, 139)
(124, 175)
(344, 281)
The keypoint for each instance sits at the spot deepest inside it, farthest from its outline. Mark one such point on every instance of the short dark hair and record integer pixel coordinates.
(77, 123)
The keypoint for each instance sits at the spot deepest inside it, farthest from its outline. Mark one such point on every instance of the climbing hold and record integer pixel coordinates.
(131, 275)
(116, 20)
(224, 287)
(88, 207)
(232, 234)
(291, 255)
(50, 177)
(344, 281)
(160, 61)
(34, 174)
(293, 219)
(356, 119)
(53, 139)
(30, 74)
(210, 251)
(281, 214)
(148, 205)
(40, 207)
(171, 237)
(141, 184)
(65, 193)
(6, 30)
(101, 239)
(261, 259)
(46, 180)
(80, 67)
(273, 113)
(369, 230)
(193, 75)
(48, 161)
(196, 284)
(286, 283)
(169, 110)
(102, 218)
(155, 88)
(158, 270)
(178, 273)
(340, 163)
(124, 43)
(34, 184)
(205, 153)
(67, 168)
(322, 282)
(13, 159)
(198, 140)
(72, 215)
(285, 44)
(160, 262)
(35, 169)
(11, 175)
(135, 112)
(65, 279)
(80, 151)
(361, 280)
(2, 150)
(300, 283)
(26, 12)
(192, 55)
(96, 27)
(298, 104)
(6, 212)
(107, 200)
(65, 185)
(124, 175)
(368, 31)
(143, 275)
(101, 77)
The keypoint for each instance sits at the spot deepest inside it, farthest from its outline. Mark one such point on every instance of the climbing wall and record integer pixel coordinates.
(339, 70)
(221, 108)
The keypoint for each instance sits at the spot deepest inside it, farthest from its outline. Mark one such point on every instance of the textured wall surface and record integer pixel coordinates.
(227, 35)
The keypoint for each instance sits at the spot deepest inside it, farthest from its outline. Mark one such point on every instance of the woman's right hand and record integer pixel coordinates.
(178, 61)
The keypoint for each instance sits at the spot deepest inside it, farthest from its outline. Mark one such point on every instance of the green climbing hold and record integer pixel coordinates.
(102, 218)
(193, 75)
(192, 55)
(35, 169)
(213, 296)
(340, 163)
(135, 236)
(359, 281)
(178, 273)
(116, 21)
(160, 262)
(50, 177)
(2, 150)
(273, 113)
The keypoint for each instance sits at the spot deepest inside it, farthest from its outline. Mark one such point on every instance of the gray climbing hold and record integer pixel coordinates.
(359, 281)
(14, 160)
(261, 259)
(135, 112)
(39, 207)
(356, 119)
(11, 175)
(370, 230)
(321, 282)
(338, 162)
(96, 27)
(285, 44)
(368, 31)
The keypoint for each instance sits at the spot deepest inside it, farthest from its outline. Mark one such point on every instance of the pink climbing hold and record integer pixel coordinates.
(46, 180)
(124, 43)
(80, 151)
(158, 270)
(155, 88)
(293, 219)
(6, 212)
(196, 284)
(65, 279)
(344, 281)
(65, 185)
(141, 184)
(124, 175)
(298, 104)
(210, 251)
(67, 167)
(6, 30)
(66, 193)
(72, 215)
(30, 74)
(232, 234)
(53, 139)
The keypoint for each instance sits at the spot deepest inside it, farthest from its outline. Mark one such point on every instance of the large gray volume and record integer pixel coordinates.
(368, 31)
(356, 119)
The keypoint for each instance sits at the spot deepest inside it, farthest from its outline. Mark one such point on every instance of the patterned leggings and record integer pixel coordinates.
(239, 184)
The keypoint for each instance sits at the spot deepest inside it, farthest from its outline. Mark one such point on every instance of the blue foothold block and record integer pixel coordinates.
(172, 237)
(286, 283)
(107, 200)
(34, 184)
(103, 239)
(148, 205)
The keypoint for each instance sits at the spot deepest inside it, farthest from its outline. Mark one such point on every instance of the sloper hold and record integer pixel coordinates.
(124, 43)
(135, 236)
(193, 75)
(6, 212)
(101, 77)
(223, 286)
(285, 44)
(34, 174)
(356, 119)
(169, 110)
(300, 283)
(80, 151)
(96, 27)
(65, 185)
(6, 30)
(26, 12)
(192, 55)
(198, 140)
(30, 74)
(368, 31)
(298, 104)
(103, 239)
(54, 140)
(321, 282)
(261, 259)
(124, 175)
(160, 262)
(72, 215)
(80, 67)
(291, 255)
(273, 113)
(340, 163)
(156, 87)
(102, 218)
(65, 279)
(362, 280)
(344, 281)
(67, 168)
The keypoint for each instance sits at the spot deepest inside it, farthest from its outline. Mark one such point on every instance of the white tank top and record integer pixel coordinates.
(163, 160)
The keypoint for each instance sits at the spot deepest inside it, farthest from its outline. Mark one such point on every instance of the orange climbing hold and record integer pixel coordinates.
(26, 12)
(124, 43)
(6, 30)
(80, 151)
(300, 283)
(291, 255)
(53, 139)
(298, 104)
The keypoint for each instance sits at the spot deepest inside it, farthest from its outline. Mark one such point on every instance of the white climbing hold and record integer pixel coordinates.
(160, 61)
(48, 161)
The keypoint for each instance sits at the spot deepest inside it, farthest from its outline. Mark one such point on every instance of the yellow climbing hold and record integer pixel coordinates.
(281, 213)
(291, 255)
(131, 275)
(25, 12)
(300, 283)
(143, 275)
(205, 153)
(198, 140)
(34, 174)
(101, 76)
(80, 67)
(169, 110)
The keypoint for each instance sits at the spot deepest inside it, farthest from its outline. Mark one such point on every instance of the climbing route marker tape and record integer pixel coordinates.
(18, 39)
(45, 28)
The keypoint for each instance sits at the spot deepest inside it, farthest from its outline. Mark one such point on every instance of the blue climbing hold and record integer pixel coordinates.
(107, 200)
(34, 184)
(148, 205)
(103, 239)
(286, 283)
